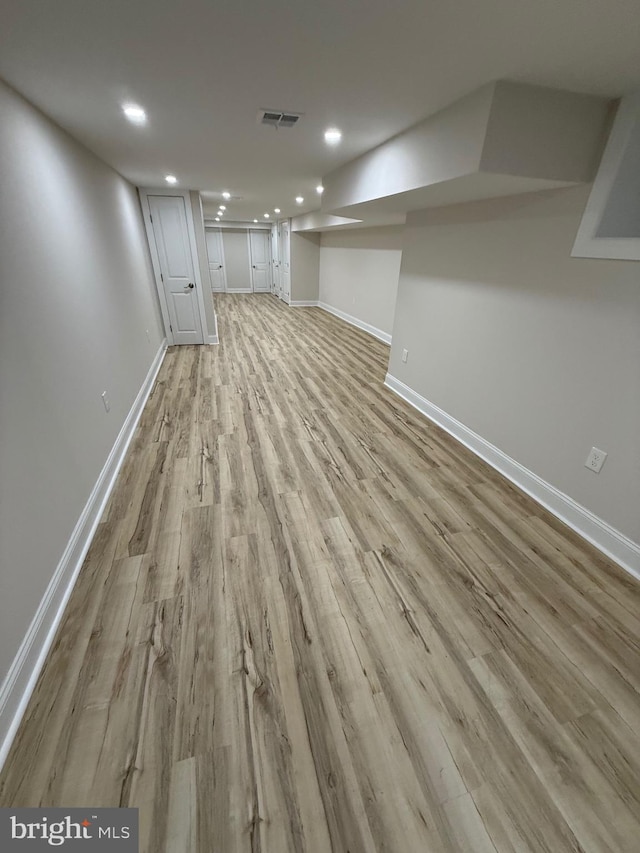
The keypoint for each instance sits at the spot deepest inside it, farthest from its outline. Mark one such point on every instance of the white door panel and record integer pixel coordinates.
(173, 234)
(275, 262)
(285, 265)
(184, 313)
(260, 266)
(216, 260)
(169, 222)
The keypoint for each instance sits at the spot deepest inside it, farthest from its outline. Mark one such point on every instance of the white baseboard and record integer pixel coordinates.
(241, 290)
(605, 538)
(385, 337)
(21, 679)
(303, 303)
(213, 338)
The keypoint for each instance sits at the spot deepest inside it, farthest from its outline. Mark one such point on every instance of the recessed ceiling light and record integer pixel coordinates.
(299, 199)
(226, 195)
(171, 179)
(134, 113)
(332, 136)
(217, 219)
(222, 207)
(266, 215)
(319, 189)
(255, 220)
(276, 210)
(221, 213)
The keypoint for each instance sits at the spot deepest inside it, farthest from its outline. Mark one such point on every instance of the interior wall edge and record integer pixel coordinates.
(21, 679)
(611, 542)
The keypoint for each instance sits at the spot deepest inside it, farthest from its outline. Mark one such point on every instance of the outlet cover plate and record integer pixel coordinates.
(595, 460)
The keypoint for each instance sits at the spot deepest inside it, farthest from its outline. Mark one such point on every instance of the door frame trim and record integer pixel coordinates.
(285, 224)
(250, 260)
(144, 193)
(274, 260)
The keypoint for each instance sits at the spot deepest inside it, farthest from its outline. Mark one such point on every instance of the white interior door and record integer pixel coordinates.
(285, 263)
(216, 259)
(275, 261)
(169, 222)
(260, 265)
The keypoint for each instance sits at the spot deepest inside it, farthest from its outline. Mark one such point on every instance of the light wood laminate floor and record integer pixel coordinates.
(311, 621)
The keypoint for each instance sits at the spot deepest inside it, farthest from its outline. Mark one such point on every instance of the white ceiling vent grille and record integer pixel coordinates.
(277, 118)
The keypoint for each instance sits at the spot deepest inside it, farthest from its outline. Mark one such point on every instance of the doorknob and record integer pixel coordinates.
(190, 286)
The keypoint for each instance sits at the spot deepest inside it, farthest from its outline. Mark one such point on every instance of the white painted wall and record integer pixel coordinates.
(536, 351)
(236, 256)
(304, 251)
(76, 298)
(359, 271)
(545, 133)
(443, 146)
(316, 219)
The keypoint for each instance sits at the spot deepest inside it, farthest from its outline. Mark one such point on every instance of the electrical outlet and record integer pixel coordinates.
(105, 400)
(595, 460)
(405, 354)
(148, 336)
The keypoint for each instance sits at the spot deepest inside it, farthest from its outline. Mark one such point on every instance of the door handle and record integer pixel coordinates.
(190, 286)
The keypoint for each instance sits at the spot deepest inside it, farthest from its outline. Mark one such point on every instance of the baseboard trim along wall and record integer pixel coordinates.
(21, 679)
(624, 551)
(348, 318)
(385, 337)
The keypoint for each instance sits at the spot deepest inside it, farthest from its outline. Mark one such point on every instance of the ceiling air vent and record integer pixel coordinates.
(277, 118)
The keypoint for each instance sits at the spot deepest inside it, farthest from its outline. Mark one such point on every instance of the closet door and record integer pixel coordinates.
(170, 230)
(275, 261)
(216, 259)
(285, 263)
(260, 263)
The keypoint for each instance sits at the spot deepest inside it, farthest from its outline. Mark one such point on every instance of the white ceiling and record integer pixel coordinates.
(203, 68)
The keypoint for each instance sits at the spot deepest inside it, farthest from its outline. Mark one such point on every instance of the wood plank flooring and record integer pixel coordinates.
(311, 621)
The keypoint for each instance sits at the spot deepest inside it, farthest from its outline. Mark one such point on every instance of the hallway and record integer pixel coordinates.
(311, 621)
